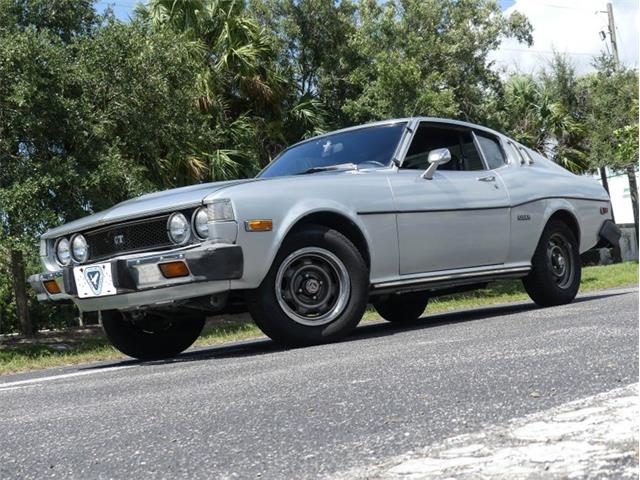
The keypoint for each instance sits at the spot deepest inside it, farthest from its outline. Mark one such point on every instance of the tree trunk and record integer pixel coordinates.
(20, 290)
(633, 190)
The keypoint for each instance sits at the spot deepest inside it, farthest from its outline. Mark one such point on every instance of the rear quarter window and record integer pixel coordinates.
(491, 151)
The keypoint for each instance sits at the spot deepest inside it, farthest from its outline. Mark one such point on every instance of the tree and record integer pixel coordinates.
(427, 57)
(253, 111)
(612, 121)
(533, 114)
(311, 40)
(88, 118)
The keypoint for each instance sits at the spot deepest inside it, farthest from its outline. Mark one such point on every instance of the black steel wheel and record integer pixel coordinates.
(555, 267)
(151, 336)
(316, 290)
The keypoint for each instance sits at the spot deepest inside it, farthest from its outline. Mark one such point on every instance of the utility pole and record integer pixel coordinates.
(612, 35)
(630, 170)
(614, 47)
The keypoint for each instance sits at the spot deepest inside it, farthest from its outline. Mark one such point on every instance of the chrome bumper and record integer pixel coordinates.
(139, 281)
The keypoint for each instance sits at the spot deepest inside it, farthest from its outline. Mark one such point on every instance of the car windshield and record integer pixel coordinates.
(361, 148)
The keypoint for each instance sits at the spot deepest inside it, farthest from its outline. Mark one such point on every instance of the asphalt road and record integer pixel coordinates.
(251, 410)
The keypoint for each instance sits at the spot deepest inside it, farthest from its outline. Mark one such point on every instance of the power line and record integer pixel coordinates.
(529, 50)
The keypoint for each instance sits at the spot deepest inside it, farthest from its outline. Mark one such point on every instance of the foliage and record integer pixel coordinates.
(253, 110)
(611, 115)
(427, 57)
(533, 114)
(89, 117)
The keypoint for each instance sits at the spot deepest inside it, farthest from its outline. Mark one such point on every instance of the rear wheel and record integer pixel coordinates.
(404, 307)
(316, 290)
(150, 336)
(556, 270)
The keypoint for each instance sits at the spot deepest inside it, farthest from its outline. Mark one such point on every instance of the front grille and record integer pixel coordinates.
(147, 234)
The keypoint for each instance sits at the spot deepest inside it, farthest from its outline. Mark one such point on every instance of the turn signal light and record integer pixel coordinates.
(258, 225)
(52, 287)
(174, 269)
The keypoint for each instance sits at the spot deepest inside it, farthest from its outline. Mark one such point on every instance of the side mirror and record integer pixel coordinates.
(439, 156)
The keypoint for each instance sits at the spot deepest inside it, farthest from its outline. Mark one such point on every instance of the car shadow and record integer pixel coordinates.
(264, 346)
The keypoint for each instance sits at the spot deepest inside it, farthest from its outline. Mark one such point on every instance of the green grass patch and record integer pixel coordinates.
(45, 353)
(33, 356)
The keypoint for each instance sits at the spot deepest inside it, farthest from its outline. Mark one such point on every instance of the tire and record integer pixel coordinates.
(402, 308)
(316, 290)
(149, 336)
(556, 270)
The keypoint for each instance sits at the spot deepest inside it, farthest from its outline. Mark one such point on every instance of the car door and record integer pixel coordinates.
(459, 218)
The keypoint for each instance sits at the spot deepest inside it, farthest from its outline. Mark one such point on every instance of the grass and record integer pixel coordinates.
(62, 348)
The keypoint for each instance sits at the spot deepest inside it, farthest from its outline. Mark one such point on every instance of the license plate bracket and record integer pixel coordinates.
(94, 280)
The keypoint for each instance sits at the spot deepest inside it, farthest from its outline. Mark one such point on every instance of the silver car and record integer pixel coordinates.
(390, 213)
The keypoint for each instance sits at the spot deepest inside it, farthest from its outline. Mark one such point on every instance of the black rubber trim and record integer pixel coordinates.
(609, 235)
(216, 263)
(121, 276)
(69, 281)
(426, 210)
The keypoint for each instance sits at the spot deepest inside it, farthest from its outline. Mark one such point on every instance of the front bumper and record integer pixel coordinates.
(139, 281)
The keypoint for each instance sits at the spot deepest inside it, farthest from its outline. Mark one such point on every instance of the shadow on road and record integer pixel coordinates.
(249, 348)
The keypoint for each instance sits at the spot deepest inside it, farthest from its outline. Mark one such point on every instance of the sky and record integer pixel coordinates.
(571, 27)
(566, 26)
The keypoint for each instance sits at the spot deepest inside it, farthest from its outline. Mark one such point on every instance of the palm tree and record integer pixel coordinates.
(253, 111)
(534, 118)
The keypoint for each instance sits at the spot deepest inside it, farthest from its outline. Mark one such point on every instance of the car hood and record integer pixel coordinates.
(157, 202)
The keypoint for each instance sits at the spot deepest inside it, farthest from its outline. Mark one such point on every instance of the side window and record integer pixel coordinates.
(430, 137)
(472, 160)
(464, 155)
(491, 151)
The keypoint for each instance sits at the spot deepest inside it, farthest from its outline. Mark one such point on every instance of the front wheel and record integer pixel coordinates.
(316, 290)
(555, 273)
(150, 336)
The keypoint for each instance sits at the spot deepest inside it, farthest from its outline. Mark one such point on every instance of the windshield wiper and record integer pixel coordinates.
(339, 166)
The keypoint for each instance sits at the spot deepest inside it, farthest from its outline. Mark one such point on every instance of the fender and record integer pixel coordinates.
(256, 271)
(529, 219)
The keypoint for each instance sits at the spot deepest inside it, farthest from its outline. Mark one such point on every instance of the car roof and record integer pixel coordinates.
(392, 121)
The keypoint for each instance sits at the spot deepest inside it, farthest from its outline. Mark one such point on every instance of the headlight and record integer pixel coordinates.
(79, 249)
(63, 252)
(200, 223)
(178, 229)
(220, 210)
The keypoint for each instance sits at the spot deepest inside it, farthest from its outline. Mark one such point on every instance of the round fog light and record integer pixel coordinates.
(178, 229)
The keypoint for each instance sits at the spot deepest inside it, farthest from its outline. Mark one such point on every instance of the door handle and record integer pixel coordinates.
(490, 178)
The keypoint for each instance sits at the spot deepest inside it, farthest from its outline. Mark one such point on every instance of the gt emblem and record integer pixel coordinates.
(93, 276)
(118, 240)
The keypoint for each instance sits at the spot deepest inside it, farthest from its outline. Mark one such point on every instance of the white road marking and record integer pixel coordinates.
(10, 385)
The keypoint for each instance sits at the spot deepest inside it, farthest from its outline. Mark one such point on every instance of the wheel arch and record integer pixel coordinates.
(336, 221)
(569, 219)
